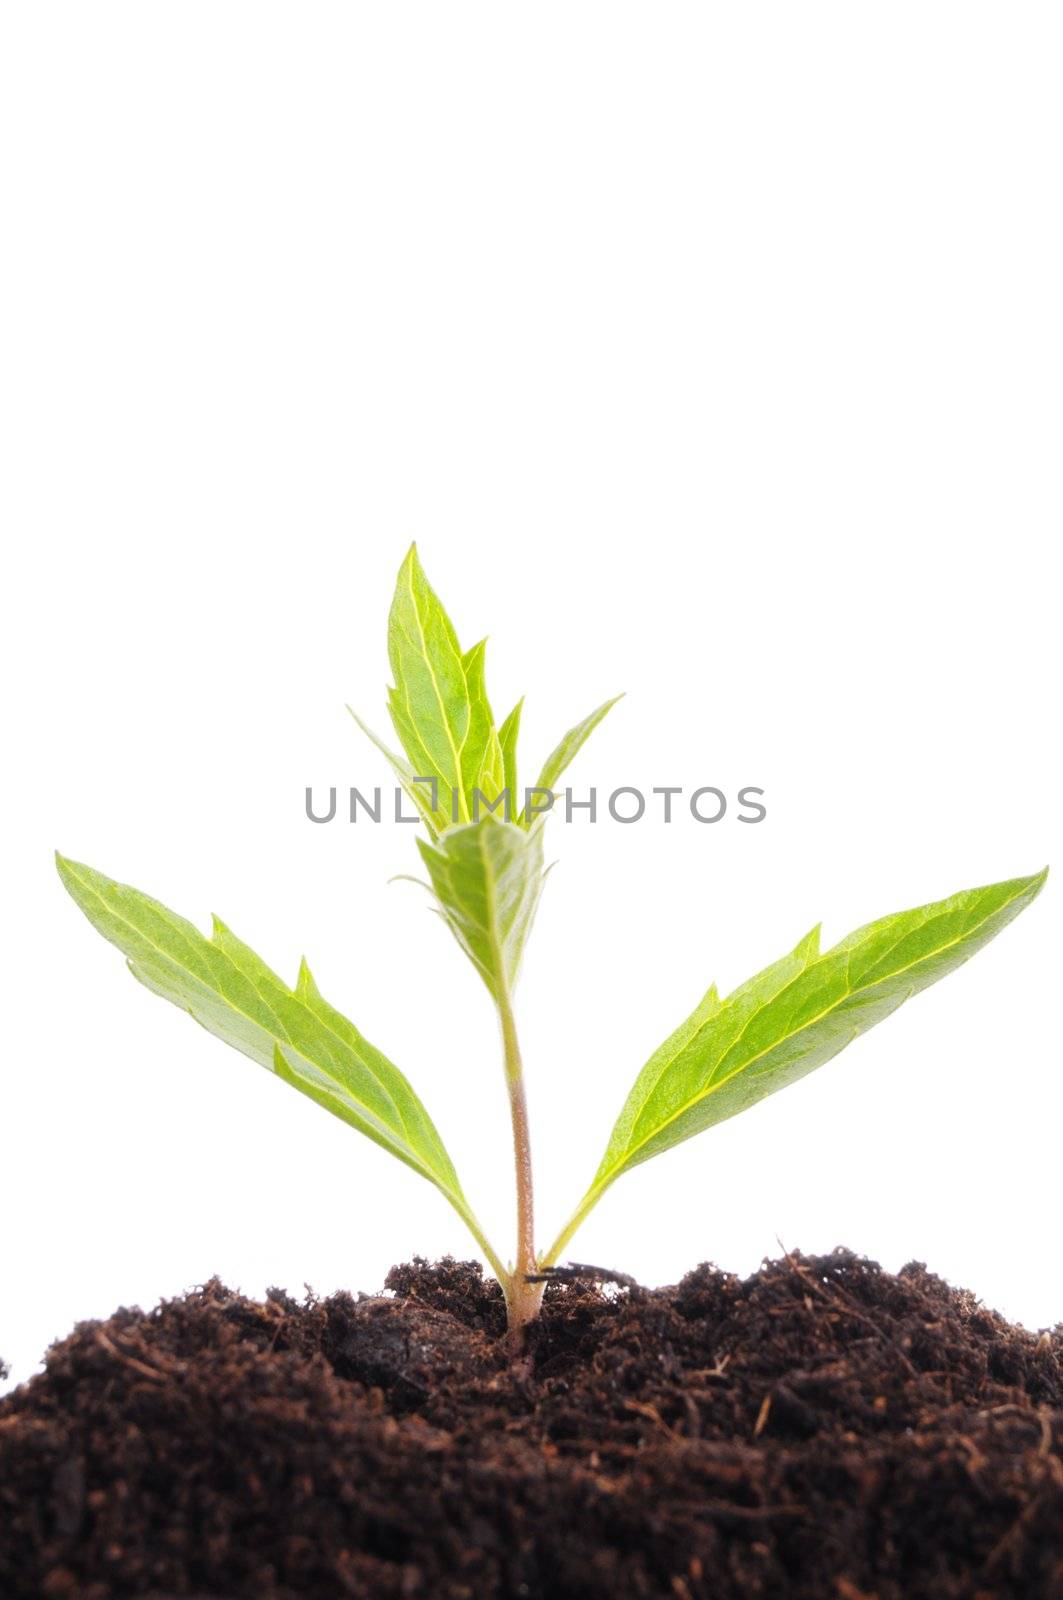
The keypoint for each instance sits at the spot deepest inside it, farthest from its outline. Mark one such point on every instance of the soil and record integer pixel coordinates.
(822, 1431)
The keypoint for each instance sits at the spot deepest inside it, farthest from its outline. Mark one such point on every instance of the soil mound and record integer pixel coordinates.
(822, 1431)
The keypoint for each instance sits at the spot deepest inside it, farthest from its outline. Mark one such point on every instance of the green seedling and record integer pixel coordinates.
(484, 857)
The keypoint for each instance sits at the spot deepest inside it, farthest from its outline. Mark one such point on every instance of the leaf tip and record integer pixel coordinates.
(305, 986)
(429, 853)
(364, 727)
(76, 877)
(411, 561)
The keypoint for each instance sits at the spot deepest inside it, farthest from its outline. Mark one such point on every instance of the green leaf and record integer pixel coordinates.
(792, 1018)
(439, 703)
(507, 739)
(227, 988)
(483, 765)
(487, 877)
(571, 744)
(420, 793)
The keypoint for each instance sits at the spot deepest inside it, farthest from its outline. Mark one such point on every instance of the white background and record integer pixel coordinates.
(711, 353)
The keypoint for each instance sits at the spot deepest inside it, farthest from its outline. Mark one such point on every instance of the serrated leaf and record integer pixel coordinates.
(791, 1018)
(227, 988)
(439, 703)
(487, 878)
(571, 744)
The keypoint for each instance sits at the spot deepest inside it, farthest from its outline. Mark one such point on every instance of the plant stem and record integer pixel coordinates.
(522, 1299)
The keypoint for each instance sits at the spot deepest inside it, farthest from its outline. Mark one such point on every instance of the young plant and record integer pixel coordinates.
(483, 852)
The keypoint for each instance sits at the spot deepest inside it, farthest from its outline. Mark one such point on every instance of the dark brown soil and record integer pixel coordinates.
(823, 1431)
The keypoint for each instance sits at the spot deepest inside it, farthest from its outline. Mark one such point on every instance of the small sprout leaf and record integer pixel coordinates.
(488, 877)
(435, 818)
(439, 703)
(571, 744)
(483, 764)
(507, 739)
